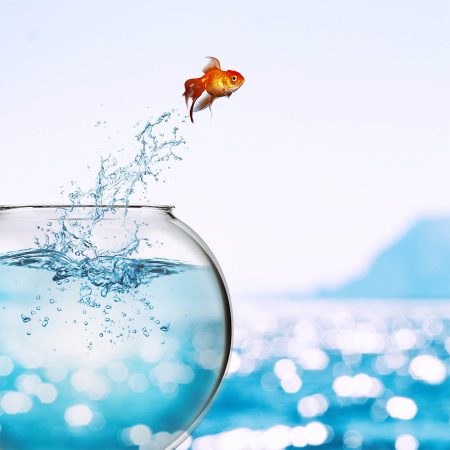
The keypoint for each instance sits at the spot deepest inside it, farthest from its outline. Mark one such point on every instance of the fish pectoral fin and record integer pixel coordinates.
(212, 64)
(204, 101)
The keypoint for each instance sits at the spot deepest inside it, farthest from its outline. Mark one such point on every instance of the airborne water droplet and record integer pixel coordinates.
(25, 318)
(165, 327)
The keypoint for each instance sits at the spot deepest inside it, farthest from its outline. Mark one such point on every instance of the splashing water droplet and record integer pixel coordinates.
(25, 318)
(165, 327)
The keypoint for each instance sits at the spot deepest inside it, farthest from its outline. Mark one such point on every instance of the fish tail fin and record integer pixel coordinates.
(193, 89)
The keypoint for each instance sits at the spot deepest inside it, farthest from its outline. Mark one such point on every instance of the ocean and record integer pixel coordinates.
(334, 374)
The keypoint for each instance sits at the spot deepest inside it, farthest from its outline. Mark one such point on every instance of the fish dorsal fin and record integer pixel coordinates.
(212, 64)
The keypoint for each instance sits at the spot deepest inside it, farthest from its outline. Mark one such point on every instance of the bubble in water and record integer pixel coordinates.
(145, 332)
(85, 290)
(45, 321)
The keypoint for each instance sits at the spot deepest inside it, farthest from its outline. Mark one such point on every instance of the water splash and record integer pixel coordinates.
(157, 145)
(69, 247)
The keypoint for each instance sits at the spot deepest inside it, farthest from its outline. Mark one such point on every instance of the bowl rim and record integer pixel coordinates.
(90, 206)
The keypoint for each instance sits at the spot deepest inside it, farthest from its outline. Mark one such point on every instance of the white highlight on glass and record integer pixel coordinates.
(186, 445)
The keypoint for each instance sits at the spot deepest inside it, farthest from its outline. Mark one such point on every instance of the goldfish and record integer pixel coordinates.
(213, 84)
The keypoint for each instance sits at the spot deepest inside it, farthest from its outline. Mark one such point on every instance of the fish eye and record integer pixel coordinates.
(234, 78)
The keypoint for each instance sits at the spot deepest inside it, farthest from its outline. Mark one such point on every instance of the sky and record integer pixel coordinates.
(335, 145)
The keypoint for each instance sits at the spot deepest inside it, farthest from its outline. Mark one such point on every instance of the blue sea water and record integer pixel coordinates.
(334, 374)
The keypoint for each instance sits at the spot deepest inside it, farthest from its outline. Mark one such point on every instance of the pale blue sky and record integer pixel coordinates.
(337, 141)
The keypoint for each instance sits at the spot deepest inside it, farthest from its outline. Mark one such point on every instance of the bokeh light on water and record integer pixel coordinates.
(335, 374)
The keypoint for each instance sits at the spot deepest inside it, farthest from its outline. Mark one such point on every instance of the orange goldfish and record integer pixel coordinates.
(213, 84)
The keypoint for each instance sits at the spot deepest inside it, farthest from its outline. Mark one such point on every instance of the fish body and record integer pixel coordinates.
(213, 84)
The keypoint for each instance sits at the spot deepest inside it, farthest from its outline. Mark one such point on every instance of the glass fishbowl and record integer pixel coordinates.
(115, 328)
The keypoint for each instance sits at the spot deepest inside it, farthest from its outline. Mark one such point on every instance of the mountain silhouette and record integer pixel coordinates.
(415, 266)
